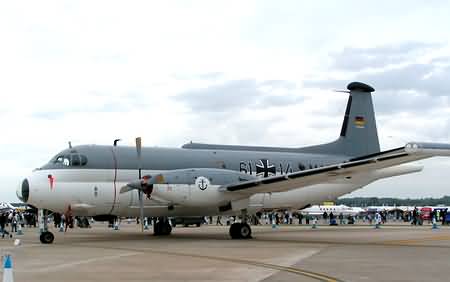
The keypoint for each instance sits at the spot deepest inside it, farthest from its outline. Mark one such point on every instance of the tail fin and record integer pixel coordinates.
(359, 130)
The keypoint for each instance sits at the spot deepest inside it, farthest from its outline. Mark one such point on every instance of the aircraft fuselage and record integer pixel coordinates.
(89, 178)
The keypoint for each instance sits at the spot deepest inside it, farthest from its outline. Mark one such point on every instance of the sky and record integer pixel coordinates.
(229, 72)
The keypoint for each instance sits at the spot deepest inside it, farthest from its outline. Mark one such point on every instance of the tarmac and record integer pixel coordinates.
(288, 253)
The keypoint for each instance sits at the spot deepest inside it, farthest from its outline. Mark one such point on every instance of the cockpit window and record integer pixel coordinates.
(75, 160)
(64, 160)
(83, 160)
(71, 160)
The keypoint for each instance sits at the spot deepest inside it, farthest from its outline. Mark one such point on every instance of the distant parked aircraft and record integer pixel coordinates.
(336, 210)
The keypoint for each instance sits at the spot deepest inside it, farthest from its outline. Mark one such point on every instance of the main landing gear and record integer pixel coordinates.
(241, 230)
(162, 227)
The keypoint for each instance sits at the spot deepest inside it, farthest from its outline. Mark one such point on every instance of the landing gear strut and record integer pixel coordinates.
(241, 230)
(46, 237)
(162, 227)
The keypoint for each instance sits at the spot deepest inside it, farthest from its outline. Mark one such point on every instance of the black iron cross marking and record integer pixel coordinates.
(265, 168)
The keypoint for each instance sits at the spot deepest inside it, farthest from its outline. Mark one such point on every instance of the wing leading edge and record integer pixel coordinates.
(412, 151)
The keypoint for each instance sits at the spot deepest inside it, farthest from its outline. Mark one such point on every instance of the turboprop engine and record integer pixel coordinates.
(189, 187)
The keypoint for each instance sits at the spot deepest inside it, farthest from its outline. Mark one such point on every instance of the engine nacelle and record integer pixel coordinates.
(196, 187)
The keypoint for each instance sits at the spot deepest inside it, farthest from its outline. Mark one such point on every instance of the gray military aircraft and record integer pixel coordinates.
(207, 179)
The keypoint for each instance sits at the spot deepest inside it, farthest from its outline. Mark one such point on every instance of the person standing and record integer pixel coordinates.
(325, 216)
(414, 216)
(444, 215)
(332, 219)
(218, 222)
(3, 219)
(14, 221)
(68, 218)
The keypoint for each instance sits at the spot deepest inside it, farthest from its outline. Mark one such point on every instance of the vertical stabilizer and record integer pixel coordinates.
(359, 130)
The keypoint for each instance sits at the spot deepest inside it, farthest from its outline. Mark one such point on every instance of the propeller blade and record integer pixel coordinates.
(139, 151)
(144, 185)
(126, 189)
(141, 196)
(141, 207)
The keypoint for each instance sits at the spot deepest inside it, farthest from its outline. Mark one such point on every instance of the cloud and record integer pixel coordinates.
(356, 59)
(235, 95)
(406, 79)
(419, 78)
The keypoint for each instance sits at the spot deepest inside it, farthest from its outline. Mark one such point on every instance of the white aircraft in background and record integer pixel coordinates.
(336, 210)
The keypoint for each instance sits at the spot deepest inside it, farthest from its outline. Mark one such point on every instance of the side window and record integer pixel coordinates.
(75, 160)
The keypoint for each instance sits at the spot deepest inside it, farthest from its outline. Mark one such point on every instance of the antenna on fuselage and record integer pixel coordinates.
(115, 142)
(70, 145)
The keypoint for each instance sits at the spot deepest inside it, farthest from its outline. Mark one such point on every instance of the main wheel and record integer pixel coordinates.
(157, 228)
(162, 228)
(166, 229)
(245, 232)
(234, 230)
(47, 237)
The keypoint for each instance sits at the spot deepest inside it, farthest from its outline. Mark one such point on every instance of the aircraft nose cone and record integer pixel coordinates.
(23, 192)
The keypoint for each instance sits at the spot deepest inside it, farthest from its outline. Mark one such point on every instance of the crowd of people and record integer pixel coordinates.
(414, 217)
(9, 221)
(15, 219)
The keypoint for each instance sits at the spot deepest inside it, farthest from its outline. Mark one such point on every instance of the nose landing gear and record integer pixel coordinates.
(46, 236)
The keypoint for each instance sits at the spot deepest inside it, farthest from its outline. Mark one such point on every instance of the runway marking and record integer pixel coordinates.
(298, 271)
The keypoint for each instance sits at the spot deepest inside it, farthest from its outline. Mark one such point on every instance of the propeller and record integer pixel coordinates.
(140, 192)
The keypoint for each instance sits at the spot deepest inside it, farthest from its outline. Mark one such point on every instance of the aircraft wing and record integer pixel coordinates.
(409, 153)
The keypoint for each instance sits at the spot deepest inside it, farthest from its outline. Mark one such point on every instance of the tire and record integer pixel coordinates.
(234, 230)
(47, 237)
(198, 224)
(166, 229)
(245, 232)
(157, 228)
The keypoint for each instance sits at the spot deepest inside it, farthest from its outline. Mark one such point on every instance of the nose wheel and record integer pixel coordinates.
(47, 237)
